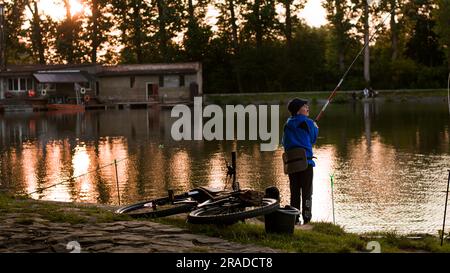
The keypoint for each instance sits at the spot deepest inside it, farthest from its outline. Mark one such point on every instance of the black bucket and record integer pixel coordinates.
(282, 220)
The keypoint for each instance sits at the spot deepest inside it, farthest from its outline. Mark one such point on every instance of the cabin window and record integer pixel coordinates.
(97, 88)
(20, 84)
(132, 81)
(29, 84)
(86, 85)
(182, 84)
(171, 81)
(161, 81)
(49, 86)
(13, 84)
(23, 83)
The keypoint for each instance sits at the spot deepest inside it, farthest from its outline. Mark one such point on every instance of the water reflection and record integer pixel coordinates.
(389, 162)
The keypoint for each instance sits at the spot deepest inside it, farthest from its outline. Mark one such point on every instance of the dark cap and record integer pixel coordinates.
(295, 105)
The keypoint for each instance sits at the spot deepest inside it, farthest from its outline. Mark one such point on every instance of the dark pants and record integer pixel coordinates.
(302, 182)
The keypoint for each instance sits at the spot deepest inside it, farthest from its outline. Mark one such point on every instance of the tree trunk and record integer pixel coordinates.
(137, 39)
(37, 33)
(191, 11)
(341, 60)
(234, 31)
(258, 27)
(69, 33)
(162, 29)
(288, 33)
(2, 42)
(366, 42)
(394, 32)
(234, 34)
(448, 58)
(192, 22)
(95, 31)
(340, 33)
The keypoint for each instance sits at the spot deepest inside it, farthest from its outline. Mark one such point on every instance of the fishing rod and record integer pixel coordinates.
(333, 94)
(445, 210)
(448, 93)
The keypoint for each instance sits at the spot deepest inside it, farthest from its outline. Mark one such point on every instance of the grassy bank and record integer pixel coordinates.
(322, 237)
(56, 212)
(314, 97)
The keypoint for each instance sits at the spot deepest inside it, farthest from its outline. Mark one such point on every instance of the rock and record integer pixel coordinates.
(129, 243)
(127, 249)
(20, 237)
(41, 235)
(171, 230)
(98, 247)
(32, 248)
(143, 229)
(130, 237)
(114, 228)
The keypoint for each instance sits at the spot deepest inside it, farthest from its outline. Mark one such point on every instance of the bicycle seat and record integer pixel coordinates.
(212, 191)
(201, 194)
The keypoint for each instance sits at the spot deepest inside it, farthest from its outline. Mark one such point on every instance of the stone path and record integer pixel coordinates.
(39, 235)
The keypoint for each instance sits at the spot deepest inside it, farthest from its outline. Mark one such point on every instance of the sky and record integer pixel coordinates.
(313, 13)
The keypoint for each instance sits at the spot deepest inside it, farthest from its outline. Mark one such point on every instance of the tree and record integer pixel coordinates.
(148, 29)
(423, 47)
(227, 22)
(133, 20)
(260, 21)
(162, 35)
(394, 29)
(442, 27)
(366, 42)
(229, 31)
(98, 26)
(198, 34)
(15, 49)
(168, 25)
(363, 10)
(290, 18)
(36, 30)
(338, 14)
(69, 44)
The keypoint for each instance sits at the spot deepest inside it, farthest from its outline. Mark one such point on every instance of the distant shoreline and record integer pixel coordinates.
(319, 96)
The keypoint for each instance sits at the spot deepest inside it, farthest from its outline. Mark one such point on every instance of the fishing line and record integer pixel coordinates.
(448, 93)
(75, 177)
(330, 98)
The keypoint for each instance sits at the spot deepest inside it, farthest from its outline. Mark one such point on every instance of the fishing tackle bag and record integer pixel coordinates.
(295, 160)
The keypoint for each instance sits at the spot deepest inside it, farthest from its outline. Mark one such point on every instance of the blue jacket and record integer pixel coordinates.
(300, 131)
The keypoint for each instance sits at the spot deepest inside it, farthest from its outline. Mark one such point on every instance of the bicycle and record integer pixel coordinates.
(208, 206)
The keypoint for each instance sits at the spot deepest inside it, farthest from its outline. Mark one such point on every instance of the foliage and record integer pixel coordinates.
(98, 24)
(442, 27)
(16, 50)
(70, 44)
(251, 46)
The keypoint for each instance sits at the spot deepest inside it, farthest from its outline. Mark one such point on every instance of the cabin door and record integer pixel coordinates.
(152, 91)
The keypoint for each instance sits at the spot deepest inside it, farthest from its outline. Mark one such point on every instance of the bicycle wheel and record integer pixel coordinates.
(230, 211)
(160, 207)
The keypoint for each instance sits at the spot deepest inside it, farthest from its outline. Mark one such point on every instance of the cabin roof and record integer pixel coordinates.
(105, 70)
(67, 76)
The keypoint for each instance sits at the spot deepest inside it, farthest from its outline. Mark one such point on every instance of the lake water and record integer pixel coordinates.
(390, 161)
